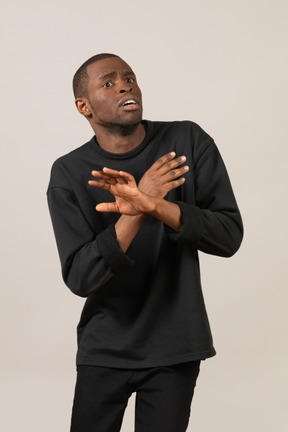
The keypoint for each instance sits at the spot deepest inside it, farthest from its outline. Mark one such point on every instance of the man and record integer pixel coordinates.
(161, 192)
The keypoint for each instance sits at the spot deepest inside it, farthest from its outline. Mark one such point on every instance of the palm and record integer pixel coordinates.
(125, 207)
(123, 194)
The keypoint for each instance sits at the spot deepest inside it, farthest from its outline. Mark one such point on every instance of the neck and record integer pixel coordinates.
(119, 139)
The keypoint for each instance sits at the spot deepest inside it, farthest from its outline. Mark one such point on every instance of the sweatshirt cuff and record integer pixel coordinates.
(109, 248)
(192, 227)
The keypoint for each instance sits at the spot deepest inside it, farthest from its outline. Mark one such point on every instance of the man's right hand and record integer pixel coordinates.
(164, 175)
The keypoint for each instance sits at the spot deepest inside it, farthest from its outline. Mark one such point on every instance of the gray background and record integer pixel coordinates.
(222, 64)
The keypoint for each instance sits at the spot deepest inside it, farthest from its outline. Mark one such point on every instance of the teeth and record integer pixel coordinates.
(129, 102)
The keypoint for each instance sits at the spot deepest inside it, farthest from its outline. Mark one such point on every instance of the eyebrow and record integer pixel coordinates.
(111, 74)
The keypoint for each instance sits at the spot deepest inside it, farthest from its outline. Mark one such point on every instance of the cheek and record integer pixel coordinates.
(101, 105)
(140, 93)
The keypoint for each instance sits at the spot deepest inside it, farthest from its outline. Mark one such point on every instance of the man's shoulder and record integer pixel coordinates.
(73, 155)
(181, 128)
(68, 163)
(178, 125)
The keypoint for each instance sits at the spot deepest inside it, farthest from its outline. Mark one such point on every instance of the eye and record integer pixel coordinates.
(107, 84)
(130, 80)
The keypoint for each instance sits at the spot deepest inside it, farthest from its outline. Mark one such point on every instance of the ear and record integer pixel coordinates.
(83, 106)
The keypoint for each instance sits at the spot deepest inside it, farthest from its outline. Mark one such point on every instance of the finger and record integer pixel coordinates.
(100, 183)
(111, 172)
(102, 176)
(115, 174)
(172, 164)
(162, 161)
(129, 178)
(99, 174)
(174, 173)
(176, 183)
(107, 207)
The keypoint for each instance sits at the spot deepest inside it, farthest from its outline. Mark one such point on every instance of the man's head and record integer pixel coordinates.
(107, 93)
(81, 78)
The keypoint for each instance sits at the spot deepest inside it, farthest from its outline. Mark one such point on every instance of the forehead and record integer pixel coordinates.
(107, 66)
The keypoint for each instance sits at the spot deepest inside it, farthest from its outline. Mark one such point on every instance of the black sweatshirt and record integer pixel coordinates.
(144, 308)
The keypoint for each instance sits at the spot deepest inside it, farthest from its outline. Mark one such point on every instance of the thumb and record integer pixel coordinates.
(107, 207)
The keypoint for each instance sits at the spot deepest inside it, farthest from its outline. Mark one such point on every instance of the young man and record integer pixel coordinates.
(161, 193)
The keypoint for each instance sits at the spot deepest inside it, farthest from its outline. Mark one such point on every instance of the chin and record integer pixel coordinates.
(124, 126)
(130, 124)
(132, 120)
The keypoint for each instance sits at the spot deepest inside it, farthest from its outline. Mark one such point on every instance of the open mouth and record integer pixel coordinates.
(129, 102)
(130, 105)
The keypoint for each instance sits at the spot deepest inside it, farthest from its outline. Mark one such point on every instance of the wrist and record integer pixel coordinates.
(130, 220)
(126, 228)
(133, 219)
(167, 212)
(156, 206)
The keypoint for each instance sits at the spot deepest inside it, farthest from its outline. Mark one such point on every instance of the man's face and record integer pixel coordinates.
(113, 94)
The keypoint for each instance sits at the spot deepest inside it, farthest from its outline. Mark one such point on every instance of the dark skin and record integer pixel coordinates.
(118, 129)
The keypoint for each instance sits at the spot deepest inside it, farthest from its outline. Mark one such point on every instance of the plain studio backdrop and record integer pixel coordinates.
(222, 64)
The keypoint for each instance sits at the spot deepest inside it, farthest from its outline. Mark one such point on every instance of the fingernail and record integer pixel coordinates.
(172, 153)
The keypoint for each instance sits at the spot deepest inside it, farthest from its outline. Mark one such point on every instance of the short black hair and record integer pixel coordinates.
(81, 78)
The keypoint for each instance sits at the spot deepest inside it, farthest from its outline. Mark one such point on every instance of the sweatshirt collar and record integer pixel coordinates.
(148, 126)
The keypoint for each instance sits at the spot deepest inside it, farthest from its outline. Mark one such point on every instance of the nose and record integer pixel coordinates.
(128, 90)
(126, 87)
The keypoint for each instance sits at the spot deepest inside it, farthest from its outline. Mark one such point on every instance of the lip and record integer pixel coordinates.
(126, 98)
(132, 107)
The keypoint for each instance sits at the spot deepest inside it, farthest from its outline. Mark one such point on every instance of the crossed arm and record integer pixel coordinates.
(212, 225)
(134, 202)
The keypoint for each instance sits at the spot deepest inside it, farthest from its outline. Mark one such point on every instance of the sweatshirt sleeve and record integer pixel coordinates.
(213, 225)
(87, 262)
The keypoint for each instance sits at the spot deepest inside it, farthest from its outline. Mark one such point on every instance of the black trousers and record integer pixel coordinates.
(163, 397)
